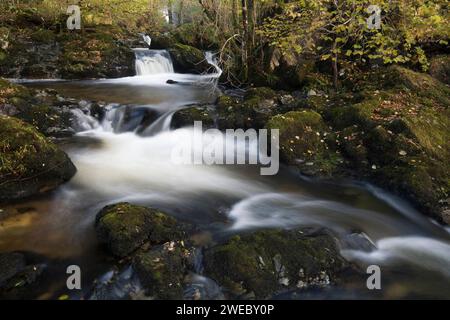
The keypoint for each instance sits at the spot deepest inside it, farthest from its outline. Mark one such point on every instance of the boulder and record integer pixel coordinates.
(394, 131)
(187, 59)
(255, 110)
(264, 263)
(187, 117)
(303, 142)
(17, 277)
(30, 163)
(124, 228)
(162, 270)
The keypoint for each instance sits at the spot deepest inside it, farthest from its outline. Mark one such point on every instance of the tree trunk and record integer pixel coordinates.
(170, 11)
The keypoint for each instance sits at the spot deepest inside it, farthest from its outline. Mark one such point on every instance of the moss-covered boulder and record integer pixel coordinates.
(13, 98)
(99, 55)
(41, 108)
(40, 52)
(162, 270)
(303, 142)
(187, 59)
(30, 163)
(394, 131)
(440, 68)
(266, 262)
(254, 110)
(124, 227)
(187, 117)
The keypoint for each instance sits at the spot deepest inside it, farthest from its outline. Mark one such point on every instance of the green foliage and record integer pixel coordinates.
(338, 30)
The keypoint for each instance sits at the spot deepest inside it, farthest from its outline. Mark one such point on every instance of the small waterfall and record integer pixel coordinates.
(150, 62)
(211, 58)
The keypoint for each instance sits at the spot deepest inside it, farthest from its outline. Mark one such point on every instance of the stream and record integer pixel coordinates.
(124, 158)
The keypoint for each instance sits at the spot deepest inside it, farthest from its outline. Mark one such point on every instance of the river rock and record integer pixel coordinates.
(124, 227)
(254, 110)
(187, 117)
(187, 59)
(43, 109)
(162, 269)
(30, 163)
(266, 262)
(16, 276)
(303, 142)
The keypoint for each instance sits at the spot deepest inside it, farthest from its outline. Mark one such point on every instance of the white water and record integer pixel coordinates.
(151, 62)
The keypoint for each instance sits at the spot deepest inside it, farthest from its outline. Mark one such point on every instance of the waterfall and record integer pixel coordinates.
(152, 62)
(211, 58)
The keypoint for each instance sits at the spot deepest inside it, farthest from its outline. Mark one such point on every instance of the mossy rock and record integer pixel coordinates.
(162, 270)
(124, 227)
(254, 111)
(163, 41)
(30, 164)
(394, 130)
(10, 91)
(267, 262)
(187, 117)
(440, 68)
(97, 55)
(49, 120)
(303, 142)
(187, 59)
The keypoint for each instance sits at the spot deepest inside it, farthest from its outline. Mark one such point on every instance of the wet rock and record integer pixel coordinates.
(16, 276)
(162, 270)
(124, 227)
(303, 142)
(10, 265)
(30, 163)
(41, 108)
(187, 117)
(267, 262)
(187, 59)
(251, 112)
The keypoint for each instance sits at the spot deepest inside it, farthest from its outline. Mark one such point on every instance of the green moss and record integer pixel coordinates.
(97, 55)
(125, 227)
(162, 271)
(267, 261)
(303, 142)
(187, 117)
(187, 59)
(29, 163)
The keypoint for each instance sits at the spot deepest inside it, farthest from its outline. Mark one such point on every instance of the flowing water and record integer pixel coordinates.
(124, 158)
